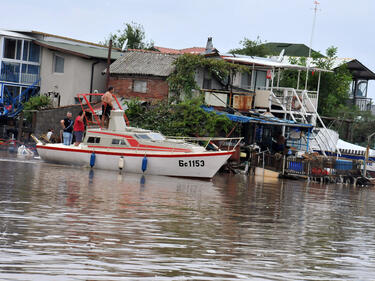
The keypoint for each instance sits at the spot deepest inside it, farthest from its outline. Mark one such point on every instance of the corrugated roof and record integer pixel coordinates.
(79, 50)
(13, 34)
(144, 63)
(267, 62)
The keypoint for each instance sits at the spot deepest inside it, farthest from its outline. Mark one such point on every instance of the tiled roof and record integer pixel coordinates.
(144, 63)
(193, 50)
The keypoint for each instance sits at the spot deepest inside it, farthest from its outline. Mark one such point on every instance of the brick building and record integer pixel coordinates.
(142, 74)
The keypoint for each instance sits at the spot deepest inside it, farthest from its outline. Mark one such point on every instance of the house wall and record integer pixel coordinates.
(201, 74)
(157, 87)
(75, 79)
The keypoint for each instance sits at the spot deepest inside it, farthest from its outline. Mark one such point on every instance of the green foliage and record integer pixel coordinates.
(134, 33)
(36, 103)
(183, 119)
(334, 86)
(182, 80)
(251, 48)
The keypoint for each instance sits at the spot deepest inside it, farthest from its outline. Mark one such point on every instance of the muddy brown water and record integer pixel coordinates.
(68, 223)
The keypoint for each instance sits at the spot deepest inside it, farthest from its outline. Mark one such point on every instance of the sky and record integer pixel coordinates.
(347, 25)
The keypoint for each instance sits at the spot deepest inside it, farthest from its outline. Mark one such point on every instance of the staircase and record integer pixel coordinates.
(301, 108)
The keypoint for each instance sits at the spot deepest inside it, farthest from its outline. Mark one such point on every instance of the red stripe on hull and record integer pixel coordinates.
(137, 154)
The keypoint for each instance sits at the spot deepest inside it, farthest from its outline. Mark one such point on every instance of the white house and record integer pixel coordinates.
(58, 66)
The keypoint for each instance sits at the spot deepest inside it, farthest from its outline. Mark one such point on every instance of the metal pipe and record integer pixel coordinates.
(92, 75)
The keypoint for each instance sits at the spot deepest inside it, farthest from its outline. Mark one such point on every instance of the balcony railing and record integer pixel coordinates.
(363, 103)
(17, 77)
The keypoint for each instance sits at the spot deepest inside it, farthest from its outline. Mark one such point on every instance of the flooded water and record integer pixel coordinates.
(68, 223)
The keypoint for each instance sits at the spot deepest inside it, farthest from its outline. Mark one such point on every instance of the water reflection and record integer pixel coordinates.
(67, 223)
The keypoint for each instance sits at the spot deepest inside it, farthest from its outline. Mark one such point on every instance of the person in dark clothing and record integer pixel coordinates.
(67, 125)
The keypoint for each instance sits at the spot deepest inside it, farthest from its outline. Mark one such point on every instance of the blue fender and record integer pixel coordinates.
(144, 164)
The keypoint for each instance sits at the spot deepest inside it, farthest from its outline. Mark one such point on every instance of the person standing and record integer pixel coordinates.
(107, 106)
(67, 125)
(79, 128)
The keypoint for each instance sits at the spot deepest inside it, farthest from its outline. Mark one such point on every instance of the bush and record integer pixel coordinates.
(183, 119)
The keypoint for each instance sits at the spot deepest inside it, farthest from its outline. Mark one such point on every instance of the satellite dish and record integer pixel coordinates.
(125, 45)
(280, 58)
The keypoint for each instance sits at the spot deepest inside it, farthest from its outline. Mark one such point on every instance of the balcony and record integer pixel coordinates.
(363, 103)
(17, 77)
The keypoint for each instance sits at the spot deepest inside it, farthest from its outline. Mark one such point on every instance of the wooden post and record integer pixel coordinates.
(108, 62)
(20, 126)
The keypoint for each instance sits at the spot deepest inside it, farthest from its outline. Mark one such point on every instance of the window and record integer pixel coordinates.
(34, 52)
(207, 83)
(119, 142)
(30, 73)
(10, 71)
(31, 52)
(246, 80)
(140, 86)
(58, 64)
(93, 140)
(156, 136)
(12, 48)
(26, 50)
(142, 136)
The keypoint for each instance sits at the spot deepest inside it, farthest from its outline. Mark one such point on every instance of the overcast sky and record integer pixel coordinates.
(345, 24)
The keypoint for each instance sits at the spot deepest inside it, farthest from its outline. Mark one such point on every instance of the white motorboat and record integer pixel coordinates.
(135, 150)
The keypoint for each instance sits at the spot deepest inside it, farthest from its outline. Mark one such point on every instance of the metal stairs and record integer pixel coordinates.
(301, 109)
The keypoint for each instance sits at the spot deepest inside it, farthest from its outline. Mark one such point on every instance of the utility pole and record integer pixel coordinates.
(108, 62)
(316, 3)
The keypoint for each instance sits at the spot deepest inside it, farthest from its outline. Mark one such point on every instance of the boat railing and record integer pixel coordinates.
(87, 105)
(212, 143)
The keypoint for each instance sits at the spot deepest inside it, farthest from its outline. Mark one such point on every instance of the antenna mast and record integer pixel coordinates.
(316, 3)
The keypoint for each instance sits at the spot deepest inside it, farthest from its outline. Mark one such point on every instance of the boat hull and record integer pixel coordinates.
(199, 164)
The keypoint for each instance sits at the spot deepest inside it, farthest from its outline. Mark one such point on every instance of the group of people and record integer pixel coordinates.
(70, 127)
(76, 128)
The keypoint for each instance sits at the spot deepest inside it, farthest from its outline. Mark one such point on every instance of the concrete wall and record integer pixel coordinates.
(75, 79)
(51, 118)
(157, 88)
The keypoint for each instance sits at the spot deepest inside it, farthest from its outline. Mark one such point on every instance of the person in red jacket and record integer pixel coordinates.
(79, 128)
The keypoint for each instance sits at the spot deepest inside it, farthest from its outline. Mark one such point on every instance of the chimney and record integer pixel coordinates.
(209, 45)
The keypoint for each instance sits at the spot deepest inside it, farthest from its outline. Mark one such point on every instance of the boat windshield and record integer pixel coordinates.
(143, 136)
(156, 136)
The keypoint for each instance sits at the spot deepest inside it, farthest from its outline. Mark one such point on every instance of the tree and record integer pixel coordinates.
(251, 48)
(134, 34)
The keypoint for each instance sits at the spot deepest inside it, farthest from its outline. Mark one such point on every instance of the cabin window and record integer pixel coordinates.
(93, 140)
(140, 86)
(142, 136)
(119, 142)
(156, 136)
